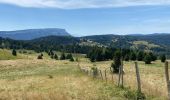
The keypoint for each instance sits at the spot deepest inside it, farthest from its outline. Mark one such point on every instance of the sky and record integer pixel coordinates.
(87, 17)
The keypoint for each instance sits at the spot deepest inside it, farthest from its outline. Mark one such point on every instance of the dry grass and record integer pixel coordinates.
(32, 79)
(152, 77)
(47, 79)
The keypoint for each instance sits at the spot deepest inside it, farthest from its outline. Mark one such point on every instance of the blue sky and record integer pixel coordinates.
(84, 17)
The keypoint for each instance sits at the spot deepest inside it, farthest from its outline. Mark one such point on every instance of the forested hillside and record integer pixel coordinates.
(158, 43)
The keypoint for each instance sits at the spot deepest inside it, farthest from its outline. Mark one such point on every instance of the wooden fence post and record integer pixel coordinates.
(167, 79)
(140, 95)
(122, 74)
(111, 73)
(101, 74)
(138, 77)
(105, 75)
(119, 76)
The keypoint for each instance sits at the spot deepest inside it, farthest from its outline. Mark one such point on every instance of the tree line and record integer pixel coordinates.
(120, 55)
(103, 54)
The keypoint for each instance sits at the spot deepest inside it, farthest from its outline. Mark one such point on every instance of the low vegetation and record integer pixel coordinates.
(8, 54)
(56, 75)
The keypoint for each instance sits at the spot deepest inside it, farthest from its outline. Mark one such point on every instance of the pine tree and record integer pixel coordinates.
(163, 58)
(147, 59)
(153, 57)
(56, 57)
(14, 52)
(69, 56)
(127, 57)
(62, 57)
(72, 59)
(140, 56)
(133, 56)
(117, 61)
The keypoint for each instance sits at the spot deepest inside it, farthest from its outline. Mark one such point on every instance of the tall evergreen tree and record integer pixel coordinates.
(126, 57)
(163, 58)
(153, 56)
(140, 56)
(14, 52)
(62, 57)
(72, 59)
(147, 59)
(55, 56)
(69, 56)
(117, 61)
(133, 56)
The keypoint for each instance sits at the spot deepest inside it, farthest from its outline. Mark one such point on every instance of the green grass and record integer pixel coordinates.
(32, 79)
(7, 55)
(47, 78)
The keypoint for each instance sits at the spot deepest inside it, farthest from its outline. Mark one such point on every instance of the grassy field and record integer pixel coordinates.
(48, 79)
(7, 55)
(152, 77)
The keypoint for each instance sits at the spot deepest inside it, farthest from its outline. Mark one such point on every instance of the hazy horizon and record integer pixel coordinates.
(82, 18)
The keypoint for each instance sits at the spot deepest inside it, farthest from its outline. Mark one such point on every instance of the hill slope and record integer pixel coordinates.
(33, 33)
(159, 43)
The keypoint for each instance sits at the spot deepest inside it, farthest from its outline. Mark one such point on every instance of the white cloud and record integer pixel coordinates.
(74, 4)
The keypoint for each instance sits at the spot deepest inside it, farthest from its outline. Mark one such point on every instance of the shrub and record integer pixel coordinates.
(147, 59)
(14, 52)
(163, 58)
(127, 58)
(40, 57)
(117, 61)
(140, 56)
(42, 54)
(56, 57)
(95, 71)
(24, 51)
(153, 57)
(72, 59)
(69, 56)
(77, 59)
(50, 76)
(133, 56)
(62, 57)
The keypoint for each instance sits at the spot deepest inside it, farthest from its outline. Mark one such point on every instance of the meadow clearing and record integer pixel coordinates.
(27, 78)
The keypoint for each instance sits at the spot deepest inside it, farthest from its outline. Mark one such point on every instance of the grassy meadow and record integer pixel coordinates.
(26, 78)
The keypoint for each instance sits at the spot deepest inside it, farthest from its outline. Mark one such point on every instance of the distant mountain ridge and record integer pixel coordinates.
(30, 34)
(59, 38)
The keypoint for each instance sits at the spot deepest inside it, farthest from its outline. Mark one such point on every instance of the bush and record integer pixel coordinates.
(163, 58)
(153, 57)
(69, 56)
(40, 57)
(117, 61)
(14, 52)
(56, 57)
(147, 59)
(140, 56)
(133, 56)
(77, 59)
(72, 59)
(62, 57)
(42, 54)
(127, 58)
(24, 51)
(95, 71)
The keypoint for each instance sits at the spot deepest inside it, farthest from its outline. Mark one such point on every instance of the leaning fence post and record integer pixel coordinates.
(140, 95)
(105, 75)
(138, 77)
(167, 79)
(101, 74)
(119, 76)
(122, 73)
